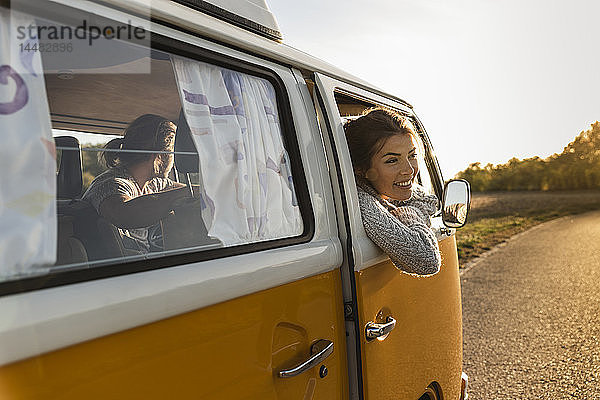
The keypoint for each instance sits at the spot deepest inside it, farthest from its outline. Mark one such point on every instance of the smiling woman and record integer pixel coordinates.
(395, 209)
(394, 167)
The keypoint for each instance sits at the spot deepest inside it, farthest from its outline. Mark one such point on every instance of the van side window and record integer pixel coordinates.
(234, 121)
(351, 108)
(185, 157)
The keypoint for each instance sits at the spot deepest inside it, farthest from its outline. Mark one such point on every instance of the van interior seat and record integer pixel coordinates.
(70, 250)
(69, 184)
(69, 178)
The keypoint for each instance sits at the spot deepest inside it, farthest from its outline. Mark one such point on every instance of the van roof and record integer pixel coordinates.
(198, 20)
(252, 15)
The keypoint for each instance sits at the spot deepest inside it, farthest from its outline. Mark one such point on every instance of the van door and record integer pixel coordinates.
(423, 352)
(254, 315)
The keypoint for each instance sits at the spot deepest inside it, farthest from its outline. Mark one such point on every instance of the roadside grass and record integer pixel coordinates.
(496, 216)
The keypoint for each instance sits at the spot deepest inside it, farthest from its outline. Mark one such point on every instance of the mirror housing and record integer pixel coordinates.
(456, 203)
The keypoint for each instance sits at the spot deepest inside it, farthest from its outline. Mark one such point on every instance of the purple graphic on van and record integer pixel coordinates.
(21, 94)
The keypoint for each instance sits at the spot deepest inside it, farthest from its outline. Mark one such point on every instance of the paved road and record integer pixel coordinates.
(531, 314)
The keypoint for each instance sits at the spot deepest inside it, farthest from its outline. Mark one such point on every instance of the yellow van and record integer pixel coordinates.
(265, 286)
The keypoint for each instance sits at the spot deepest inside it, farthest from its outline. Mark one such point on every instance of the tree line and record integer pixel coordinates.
(577, 167)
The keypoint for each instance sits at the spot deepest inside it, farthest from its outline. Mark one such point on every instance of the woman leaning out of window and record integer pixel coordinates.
(395, 209)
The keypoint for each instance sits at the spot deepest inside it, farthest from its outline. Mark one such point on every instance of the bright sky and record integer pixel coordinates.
(490, 79)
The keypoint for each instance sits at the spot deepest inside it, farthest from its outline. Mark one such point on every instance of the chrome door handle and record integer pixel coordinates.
(379, 331)
(320, 350)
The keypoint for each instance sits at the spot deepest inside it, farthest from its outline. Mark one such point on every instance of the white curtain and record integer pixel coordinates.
(246, 176)
(27, 158)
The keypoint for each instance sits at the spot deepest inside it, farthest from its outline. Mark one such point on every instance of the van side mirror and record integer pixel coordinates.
(456, 203)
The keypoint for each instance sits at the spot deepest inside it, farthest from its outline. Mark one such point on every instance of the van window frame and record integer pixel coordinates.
(291, 144)
(433, 165)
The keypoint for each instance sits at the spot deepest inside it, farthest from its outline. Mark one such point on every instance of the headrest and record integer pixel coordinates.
(69, 181)
(185, 163)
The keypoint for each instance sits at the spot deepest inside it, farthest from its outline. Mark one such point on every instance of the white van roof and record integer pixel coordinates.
(252, 15)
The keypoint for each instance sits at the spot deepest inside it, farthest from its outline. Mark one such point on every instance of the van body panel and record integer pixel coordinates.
(426, 344)
(229, 350)
(310, 139)
(45, 320)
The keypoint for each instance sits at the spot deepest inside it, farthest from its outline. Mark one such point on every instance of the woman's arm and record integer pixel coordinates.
(142, 211)
(407, 240)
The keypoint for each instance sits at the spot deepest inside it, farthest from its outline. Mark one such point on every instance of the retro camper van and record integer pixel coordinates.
(262, 284)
